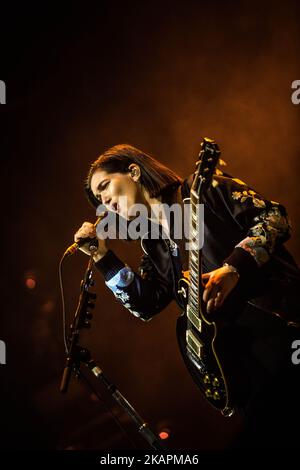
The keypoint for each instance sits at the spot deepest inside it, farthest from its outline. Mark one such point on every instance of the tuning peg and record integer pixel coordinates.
(90, 304)
(86, 324)
(92, 295)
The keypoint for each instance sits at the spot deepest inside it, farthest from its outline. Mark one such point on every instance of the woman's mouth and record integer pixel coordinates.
(115, 207)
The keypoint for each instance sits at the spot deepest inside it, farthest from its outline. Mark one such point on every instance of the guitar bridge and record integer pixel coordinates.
(197, 362)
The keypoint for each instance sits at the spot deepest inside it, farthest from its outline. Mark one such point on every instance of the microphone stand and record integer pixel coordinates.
(77, 355)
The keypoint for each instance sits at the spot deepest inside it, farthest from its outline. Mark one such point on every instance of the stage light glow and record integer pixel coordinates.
(164, 434)
(30, 283)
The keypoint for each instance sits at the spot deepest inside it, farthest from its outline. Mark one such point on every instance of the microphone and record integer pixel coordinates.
(93, 241)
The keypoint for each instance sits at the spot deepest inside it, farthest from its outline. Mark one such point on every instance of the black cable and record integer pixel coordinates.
(63, 305)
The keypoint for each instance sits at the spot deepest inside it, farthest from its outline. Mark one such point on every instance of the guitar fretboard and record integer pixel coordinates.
(195, 254)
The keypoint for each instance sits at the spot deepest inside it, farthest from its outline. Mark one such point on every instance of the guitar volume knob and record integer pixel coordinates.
(215, 382)
(206, 379)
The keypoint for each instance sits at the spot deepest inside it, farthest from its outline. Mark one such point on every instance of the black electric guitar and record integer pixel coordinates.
(198, 335)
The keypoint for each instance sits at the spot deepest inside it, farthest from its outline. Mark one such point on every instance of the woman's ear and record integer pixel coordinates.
(135, 171)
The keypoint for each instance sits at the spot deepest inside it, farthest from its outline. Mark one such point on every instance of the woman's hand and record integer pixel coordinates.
(88, 230)
(219, 283)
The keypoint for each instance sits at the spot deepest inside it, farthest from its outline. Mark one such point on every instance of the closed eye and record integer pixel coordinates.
(102, 186)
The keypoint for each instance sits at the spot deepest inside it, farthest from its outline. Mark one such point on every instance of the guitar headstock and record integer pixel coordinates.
(205, 167)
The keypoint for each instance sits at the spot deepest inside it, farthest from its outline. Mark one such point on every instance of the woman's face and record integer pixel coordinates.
(117, 191)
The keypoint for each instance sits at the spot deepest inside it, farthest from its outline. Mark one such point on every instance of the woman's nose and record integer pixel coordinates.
(106, 200)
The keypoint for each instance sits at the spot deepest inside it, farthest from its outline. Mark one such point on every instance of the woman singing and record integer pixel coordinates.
(243, 251)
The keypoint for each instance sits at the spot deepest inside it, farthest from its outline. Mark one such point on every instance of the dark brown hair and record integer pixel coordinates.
(156, 178)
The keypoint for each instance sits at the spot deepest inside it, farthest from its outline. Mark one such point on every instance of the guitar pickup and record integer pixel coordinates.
(194, 319)
(193, 343)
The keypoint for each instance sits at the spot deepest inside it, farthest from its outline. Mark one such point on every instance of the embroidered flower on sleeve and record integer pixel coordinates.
(276, 219)
(243, 196)
(272, 227)
(258, 202)
(124, 297)
(121, 295)
(236, 195)
(130, 309)
(255, 246)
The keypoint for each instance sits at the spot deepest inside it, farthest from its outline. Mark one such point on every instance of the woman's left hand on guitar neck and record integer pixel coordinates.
(218, 284)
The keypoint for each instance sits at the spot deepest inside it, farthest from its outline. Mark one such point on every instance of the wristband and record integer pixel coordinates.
(232, 269)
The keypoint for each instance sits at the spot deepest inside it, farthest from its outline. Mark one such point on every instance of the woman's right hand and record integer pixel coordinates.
(88, 230)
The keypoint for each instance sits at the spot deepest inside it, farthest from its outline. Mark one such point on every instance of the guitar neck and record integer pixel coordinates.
(203, 176)
(195, 252)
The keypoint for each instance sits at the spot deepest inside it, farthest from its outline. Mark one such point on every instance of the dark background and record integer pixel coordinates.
(160, 76)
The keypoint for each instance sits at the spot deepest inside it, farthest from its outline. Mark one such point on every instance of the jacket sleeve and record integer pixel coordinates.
(264, 223)
(144, 294)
